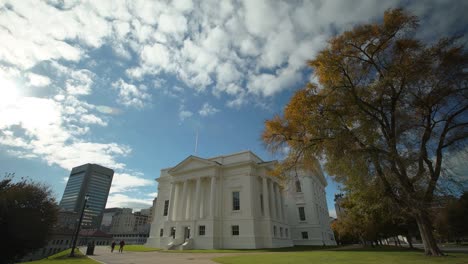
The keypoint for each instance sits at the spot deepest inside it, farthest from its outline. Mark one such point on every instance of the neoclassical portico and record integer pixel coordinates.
(222, 202)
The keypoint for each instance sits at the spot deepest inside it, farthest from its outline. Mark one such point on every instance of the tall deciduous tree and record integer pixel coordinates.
(27, 213)
(388, 107)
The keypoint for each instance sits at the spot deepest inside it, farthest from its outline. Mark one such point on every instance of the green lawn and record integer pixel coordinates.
(62, 258)
(288, 249)
(136, 248)
(362, 256)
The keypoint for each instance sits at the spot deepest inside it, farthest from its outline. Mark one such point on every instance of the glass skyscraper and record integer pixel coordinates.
(91, 179)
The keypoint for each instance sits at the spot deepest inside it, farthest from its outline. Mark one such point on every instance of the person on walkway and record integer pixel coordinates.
(112, 246)
(122, 244)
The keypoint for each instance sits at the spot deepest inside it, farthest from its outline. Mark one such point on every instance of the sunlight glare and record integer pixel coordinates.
(9, 92)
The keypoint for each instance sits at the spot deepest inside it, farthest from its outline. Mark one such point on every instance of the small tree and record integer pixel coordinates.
(27, 214)
(388, 107)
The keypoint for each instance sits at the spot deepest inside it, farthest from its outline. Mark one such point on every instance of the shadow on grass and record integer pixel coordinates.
(287, 249)
(301, 249)
(380, 249)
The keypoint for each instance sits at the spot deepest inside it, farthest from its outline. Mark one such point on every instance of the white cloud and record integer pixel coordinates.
(172, 23)
(156, 55)
(183, 5)
(49, 132)
(131, 95)
(184, 114)
(153, 194)
(37, 80)
(124, 182)
(126, 201)
(92, 119)
(207, 110)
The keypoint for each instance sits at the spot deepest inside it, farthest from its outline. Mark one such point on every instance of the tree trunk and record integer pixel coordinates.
(427, 237)
(410, 242)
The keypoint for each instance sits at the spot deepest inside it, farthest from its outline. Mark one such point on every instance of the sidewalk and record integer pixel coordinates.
(103, 255)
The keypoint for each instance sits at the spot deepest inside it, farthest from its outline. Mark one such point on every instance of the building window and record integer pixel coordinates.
(173, 232)
(166, 207)
(281, 232)
(274, 231)
(235, 201)
(305, 235)
(235, 230)
(261, 204)
(298, 186)
(301, 214)
(161, 232)
(286, 232)
(201, 230)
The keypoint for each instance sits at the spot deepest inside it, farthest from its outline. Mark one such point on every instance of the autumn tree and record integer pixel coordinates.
(27, 214)
(387, 107)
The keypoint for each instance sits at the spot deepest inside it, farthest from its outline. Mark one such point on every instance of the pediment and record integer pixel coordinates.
(192, 163)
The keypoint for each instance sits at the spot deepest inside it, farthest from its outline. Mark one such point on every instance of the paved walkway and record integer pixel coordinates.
(103, 255)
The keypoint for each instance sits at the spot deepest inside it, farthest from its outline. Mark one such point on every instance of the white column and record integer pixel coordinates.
(272, 199)
(280, 203)
(277, 208)
(202, 199)
(196, 206)
(171, 202)
(213, 196)
(266, 202)
(283, 209)
(184, 201)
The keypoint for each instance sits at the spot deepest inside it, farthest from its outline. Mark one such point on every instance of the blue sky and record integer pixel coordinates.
(127, 84)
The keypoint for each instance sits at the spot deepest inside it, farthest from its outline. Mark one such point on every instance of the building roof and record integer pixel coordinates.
(94, 233)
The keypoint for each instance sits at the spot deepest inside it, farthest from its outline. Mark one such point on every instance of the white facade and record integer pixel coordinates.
(231, 202)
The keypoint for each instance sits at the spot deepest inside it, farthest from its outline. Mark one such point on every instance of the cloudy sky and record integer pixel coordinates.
(129, 84)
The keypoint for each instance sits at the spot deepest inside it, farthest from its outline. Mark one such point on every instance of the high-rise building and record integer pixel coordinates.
(92, 180)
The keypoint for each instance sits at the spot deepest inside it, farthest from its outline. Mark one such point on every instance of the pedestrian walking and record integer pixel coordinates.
(122, 244)
(112, 246)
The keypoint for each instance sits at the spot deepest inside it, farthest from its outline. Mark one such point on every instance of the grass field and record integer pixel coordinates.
(136, 248)
(62, 258)
(289, 249)
(361, 256)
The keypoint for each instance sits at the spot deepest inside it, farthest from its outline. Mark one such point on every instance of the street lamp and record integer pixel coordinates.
(72, 253)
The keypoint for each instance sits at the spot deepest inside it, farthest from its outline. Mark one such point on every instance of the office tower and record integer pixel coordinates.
(92, 180)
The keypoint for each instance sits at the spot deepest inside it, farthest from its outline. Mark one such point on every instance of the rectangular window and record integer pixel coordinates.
(166, 207)
(235, 230)
(281, 232)
(298, 186)
(261, 203)
(274, 231)
(286, 232)
(302, 216)
(161, 232)
(173, 232)
(201, 230)
(235, 201)
(305, 235)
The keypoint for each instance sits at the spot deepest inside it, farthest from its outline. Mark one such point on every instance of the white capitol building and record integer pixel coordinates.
(231, 202)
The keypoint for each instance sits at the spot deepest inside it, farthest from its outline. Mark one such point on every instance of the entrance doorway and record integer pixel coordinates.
(186, 233)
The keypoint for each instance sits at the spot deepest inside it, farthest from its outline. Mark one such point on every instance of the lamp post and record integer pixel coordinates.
(72, 253)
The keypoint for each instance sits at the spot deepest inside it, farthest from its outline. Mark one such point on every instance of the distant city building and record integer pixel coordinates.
(93, 180)
(66, 220)
(107, 216)
(131, 227)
